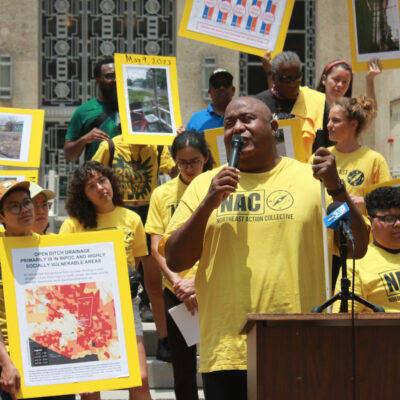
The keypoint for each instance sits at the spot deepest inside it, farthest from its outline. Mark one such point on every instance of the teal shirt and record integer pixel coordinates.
(83, 118)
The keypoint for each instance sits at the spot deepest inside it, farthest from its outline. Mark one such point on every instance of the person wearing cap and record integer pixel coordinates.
(40, 198)
(17, 216)
(221, 91)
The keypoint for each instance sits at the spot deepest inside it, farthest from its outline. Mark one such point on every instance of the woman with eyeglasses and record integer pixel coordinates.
(376, 274)
(192, 155)
(95, 202)
(17, 216)
(40, 198)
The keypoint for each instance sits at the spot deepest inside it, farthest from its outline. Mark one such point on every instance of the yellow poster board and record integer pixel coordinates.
(148, 98)
(289, 141)
(370, 188)
(374, 26)
(21, 133)
(69, 313)
(19, 175)
(243, 25)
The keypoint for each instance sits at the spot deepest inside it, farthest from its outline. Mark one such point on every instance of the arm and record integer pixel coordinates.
(324, 168)
(73, 148)
(10, 378)
(184, 246)
(375, 68)
(266, 63)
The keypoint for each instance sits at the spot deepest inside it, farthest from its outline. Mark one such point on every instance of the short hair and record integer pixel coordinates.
(284, 57)
(362, 109)
(329, 68)
(197, 141)
(78, 205)
(382, 198)
(97, 67)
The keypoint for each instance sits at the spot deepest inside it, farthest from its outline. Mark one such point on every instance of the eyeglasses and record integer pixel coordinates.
(186, 164)
(218, 84)
(288, 79)
(388, 219)
(43, 205)
(15, 207)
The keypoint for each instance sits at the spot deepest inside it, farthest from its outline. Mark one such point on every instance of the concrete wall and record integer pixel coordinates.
(19, 36)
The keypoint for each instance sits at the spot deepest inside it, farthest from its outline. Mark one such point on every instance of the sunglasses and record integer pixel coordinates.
(218, 84)
(288, 79)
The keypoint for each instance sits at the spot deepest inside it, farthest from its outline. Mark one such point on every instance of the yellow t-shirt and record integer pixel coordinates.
(163, 203)
(136, 165)
(3, 321)
(262, 253)
(120, 218)
(377, 279)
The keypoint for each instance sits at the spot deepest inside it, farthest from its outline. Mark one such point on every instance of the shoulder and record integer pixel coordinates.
(71, 225)
(264, 95)
(92, 104)
(198, 115)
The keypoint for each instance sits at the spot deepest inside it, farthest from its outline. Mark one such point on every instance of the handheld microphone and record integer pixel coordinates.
(338, 219)
(236, 148)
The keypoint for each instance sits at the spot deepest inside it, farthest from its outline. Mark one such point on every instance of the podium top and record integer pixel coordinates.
(339, 319)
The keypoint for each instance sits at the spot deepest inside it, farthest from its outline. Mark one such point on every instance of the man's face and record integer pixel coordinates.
(107, 83)
(287, 80)
(252, 120)
(221, 91)
(386, 234)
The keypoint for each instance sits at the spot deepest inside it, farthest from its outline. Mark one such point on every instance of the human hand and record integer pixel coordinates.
(184, 288)
(375, 68)
(180, 129)
(324, 168)
(266, 61)
(222, 185)
(191, 304)
(359, 201)
(10, 379)
(95, 135)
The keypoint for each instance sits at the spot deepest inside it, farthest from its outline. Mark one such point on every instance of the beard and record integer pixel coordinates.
(109, 95)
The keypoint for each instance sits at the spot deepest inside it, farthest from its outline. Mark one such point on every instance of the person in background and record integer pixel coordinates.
(221, 92)
(97, 119)
(40, 198)
(94, 202)
(192, 155)
(377, 274)
(17, 216)
(287, 99)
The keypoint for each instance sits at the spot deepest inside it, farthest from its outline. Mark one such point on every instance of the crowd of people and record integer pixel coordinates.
(225, 241)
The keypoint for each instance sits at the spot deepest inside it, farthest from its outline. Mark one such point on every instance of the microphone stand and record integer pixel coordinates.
(344, 295)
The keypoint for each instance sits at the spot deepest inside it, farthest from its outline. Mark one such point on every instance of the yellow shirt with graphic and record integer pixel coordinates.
(377, 279)
(120, 218)
(136, 165)
(3, 320)
(163, 203)
(262, 253)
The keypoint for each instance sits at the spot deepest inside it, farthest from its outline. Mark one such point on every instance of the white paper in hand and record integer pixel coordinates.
(187, 323)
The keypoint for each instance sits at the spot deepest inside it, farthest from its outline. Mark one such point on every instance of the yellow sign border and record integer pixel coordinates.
(30, 175)
(201, 37)
(115, 236)
(35, 139)
(211, 138)
(358, 66)
(146, 61)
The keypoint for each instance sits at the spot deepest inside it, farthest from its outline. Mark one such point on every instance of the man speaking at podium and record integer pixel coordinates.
(256, 232)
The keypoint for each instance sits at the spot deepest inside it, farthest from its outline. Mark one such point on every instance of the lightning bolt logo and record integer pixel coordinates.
(355, 178)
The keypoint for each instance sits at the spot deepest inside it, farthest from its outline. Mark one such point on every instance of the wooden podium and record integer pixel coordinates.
(309, 356)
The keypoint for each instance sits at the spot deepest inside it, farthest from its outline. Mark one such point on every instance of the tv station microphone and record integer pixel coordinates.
(338, 219)
(236, 148)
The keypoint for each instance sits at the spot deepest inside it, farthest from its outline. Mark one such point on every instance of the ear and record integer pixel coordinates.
(2, 218)
(233, 90)
(323, 79)
(354, 124)
(274, 126)
(209, 93)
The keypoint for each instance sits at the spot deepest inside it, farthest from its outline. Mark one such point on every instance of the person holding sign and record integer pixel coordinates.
(17, 216)
(287, 99)
(256, 232)
(40, 198)
(192, 155)
(94, 202)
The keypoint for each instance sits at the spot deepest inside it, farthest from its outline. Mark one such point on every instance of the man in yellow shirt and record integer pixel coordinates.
(256, 232)
(377, 275)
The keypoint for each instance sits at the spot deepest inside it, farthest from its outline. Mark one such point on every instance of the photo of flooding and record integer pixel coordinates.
(10, 137)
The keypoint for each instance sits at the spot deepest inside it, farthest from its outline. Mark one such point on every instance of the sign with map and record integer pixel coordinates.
(69, 313)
